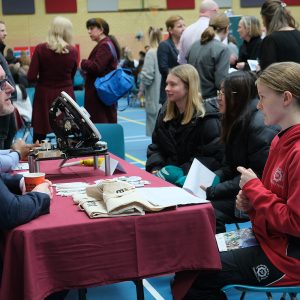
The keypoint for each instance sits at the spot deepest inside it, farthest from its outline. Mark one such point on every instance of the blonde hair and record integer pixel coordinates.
(217, 24)
(155, 36)
(253, 24)
(60, 35)
(194, 102)
(281, 77)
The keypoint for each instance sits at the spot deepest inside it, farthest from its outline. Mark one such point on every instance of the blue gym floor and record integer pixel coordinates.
(133, 121)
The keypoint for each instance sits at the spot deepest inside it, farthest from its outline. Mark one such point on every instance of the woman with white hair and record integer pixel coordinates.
(53, 66)
(250, 32)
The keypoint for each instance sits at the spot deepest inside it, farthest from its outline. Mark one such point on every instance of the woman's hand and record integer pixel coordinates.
(242, 202)
(240, 66)
(246, 175)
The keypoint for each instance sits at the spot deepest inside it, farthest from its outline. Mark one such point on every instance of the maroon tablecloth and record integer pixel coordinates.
(65, 249)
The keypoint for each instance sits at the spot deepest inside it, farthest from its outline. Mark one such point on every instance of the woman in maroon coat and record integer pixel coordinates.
(100, 62)
(53, 66)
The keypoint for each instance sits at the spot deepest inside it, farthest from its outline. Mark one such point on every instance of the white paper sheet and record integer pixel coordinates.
(252, 64)
(21, 166)
(169, 196)
(198, 175)
(114, 165)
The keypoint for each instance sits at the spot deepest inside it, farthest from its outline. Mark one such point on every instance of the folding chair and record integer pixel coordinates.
(113, 134)
(291, 290)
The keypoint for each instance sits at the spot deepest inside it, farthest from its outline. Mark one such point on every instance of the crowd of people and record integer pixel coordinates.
(242, 125)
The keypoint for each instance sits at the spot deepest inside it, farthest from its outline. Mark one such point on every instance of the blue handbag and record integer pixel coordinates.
(114, 85)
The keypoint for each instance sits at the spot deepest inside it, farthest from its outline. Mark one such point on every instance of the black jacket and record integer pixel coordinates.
(167, 59)
(248, 146)
(250, 50)
(176, 144)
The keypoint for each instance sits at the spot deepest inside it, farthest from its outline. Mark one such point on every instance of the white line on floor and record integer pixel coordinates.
(152, 290)
(135, 159)
(137, 136)
(130, 120)
(137, 140)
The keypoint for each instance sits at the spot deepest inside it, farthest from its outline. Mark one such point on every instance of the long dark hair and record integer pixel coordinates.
(103, 25)
(276, 16)
(239, 91)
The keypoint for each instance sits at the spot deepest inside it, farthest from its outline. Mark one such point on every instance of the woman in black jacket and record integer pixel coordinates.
(247, 140)
(186, 128)
(250, 32)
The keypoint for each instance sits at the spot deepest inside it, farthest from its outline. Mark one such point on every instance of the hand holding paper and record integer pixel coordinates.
(198, 179)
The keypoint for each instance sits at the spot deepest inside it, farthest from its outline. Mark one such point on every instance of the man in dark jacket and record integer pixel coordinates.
(7, 122)
(16, 207)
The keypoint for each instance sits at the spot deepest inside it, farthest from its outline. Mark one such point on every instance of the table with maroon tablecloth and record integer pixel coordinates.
(66, 249)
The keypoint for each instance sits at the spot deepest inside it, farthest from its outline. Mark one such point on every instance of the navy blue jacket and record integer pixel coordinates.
(17, 209)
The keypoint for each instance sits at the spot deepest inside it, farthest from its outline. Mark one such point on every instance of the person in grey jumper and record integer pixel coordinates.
(210, 56)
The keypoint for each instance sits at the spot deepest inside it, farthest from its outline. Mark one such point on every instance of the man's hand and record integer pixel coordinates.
(23, 148)
(246, 175)
(45, 187)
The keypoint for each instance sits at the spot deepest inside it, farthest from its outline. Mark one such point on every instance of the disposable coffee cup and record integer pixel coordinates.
(32, 180)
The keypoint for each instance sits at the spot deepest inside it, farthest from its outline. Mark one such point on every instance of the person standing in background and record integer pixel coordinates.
(10, 58)
(192, 33)
(53, 66)
(211, 57)
(151, 78)
(250, 32)
(167, 51)
(282, 42)
(103, 59)
(3, 34)
(8, 127)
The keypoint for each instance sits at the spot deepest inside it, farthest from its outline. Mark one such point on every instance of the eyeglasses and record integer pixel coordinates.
(3, 83)
(220, 93)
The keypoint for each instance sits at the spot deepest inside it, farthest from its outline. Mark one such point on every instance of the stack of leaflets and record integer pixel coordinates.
(241, 238)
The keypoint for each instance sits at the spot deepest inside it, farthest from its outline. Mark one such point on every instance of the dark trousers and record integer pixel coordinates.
(225, 214)
(242, 266)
